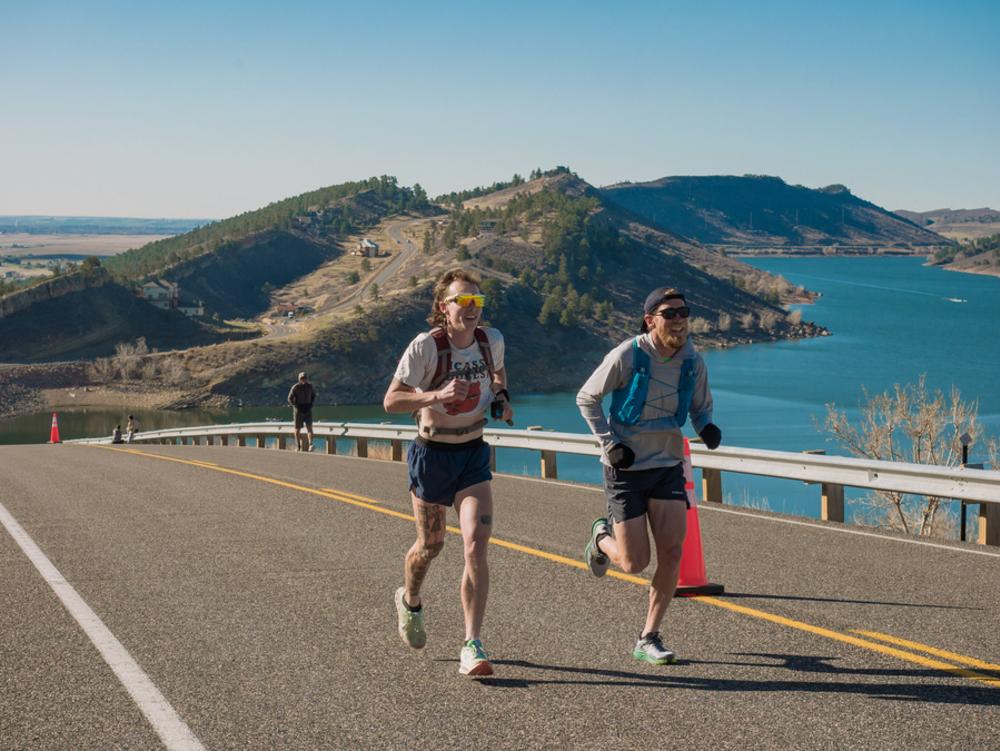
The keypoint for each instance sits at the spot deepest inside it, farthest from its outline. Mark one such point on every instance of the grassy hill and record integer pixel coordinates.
(758, 210)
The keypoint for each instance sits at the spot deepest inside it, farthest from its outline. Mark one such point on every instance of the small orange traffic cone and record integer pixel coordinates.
(692, 580)
(54, 433)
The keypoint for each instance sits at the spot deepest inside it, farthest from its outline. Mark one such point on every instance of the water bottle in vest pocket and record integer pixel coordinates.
(628, 401)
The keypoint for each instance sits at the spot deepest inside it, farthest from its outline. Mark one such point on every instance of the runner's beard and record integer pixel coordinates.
(676, 341)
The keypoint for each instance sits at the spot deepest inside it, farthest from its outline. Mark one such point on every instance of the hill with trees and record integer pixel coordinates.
(229, 267)
(564, 268)
(565, 274)
(980, 256)
(764, 211)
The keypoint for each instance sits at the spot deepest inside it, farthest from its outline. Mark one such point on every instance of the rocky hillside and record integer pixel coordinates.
(763, 211)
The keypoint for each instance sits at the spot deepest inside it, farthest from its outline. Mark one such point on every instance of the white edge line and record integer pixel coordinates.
(174, 733)
(813, 525)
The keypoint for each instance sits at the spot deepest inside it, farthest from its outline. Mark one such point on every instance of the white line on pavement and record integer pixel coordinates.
(174, 733)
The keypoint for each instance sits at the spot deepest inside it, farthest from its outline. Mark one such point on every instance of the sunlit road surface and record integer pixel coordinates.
(196, 597)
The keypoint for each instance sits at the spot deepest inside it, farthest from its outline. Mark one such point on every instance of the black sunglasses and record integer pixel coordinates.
(671, 313)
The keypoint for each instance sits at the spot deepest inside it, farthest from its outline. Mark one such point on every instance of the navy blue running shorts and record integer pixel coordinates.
(629, 491)
(440, 470)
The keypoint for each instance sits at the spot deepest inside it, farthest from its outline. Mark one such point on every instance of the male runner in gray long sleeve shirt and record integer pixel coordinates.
(644, 451)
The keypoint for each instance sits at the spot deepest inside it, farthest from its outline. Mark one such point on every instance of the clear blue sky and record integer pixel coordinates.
(208, 109)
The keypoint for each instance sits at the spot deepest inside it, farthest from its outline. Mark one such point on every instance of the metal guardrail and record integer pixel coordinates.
(832, 473)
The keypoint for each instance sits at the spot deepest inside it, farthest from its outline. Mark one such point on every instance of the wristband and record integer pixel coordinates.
(503, 393)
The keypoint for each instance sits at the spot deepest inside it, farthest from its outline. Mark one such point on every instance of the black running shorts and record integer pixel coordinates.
(629, 491)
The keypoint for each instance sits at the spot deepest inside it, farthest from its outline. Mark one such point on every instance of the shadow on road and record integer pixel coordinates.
(800, 598)
(937, 693)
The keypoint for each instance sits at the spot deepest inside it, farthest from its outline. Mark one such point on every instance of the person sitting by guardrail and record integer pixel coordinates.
(448, 378)
(656, 380)
(116, 435)
(302, 396)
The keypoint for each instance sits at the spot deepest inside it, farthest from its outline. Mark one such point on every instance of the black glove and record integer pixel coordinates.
(621, 456)
(711, 435)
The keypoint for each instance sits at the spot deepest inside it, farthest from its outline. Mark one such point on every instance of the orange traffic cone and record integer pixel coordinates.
(54, 433)
(692, 580)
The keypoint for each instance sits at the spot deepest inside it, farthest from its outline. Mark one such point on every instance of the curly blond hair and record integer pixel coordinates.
(437, 318)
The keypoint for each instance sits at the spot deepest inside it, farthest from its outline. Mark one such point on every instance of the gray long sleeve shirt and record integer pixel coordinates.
(659, 443)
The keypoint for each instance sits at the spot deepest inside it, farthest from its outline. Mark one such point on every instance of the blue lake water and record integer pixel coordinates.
(893, 319)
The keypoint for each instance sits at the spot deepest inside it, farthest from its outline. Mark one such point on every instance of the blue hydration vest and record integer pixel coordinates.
(628, 401)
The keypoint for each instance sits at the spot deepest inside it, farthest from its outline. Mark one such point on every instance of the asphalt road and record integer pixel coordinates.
(259, 605)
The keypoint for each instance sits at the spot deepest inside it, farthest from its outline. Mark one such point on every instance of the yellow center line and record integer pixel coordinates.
(915, 645)
(350, 495)
(369, 503)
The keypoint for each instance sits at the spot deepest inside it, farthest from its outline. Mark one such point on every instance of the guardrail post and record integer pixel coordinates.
(261, 441)
(223, 440)
(210, 440)
(195, 440)
(241, 440)
(493, 458)
(549, 465)
(396, 450)
(362, 447)
(331, 445)
(832, 504)
(281, 442)
(711, 485)
(989, 524)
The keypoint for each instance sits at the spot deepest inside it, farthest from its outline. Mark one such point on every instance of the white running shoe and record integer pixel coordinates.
(592, 554)
(650, 649)
(473, 660)
(411, 623)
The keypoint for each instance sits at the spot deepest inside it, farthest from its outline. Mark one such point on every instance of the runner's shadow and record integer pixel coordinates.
(931, 693)
(800, 598)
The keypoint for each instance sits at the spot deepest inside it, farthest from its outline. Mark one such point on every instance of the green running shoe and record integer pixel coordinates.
(592, 554)
(650, 649)
(473, 660)
(411, 623)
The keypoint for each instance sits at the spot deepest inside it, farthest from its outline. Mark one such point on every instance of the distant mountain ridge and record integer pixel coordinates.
(761, 210)
(957, 224)
(97, 225)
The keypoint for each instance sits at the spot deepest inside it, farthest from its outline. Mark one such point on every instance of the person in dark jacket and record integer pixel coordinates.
(302, 396)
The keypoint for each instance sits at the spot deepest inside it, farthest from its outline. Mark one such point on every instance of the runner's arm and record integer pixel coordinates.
(604, 380)
(403, 398)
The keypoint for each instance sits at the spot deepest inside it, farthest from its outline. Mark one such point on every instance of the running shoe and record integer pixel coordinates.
(473, 660)
(650, 649)
(411, 623)
(592, 554)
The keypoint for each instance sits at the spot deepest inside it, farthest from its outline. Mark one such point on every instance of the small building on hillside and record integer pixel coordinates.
(367, 248)
(191, 308)
(161, 293)
(488, 226)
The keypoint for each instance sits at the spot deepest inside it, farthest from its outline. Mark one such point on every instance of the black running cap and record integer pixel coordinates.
(655, 299)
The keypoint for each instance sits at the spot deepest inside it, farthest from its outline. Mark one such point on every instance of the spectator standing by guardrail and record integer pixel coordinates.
(302, 396)
(656, 380)
(132, 428)
(448, 378)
